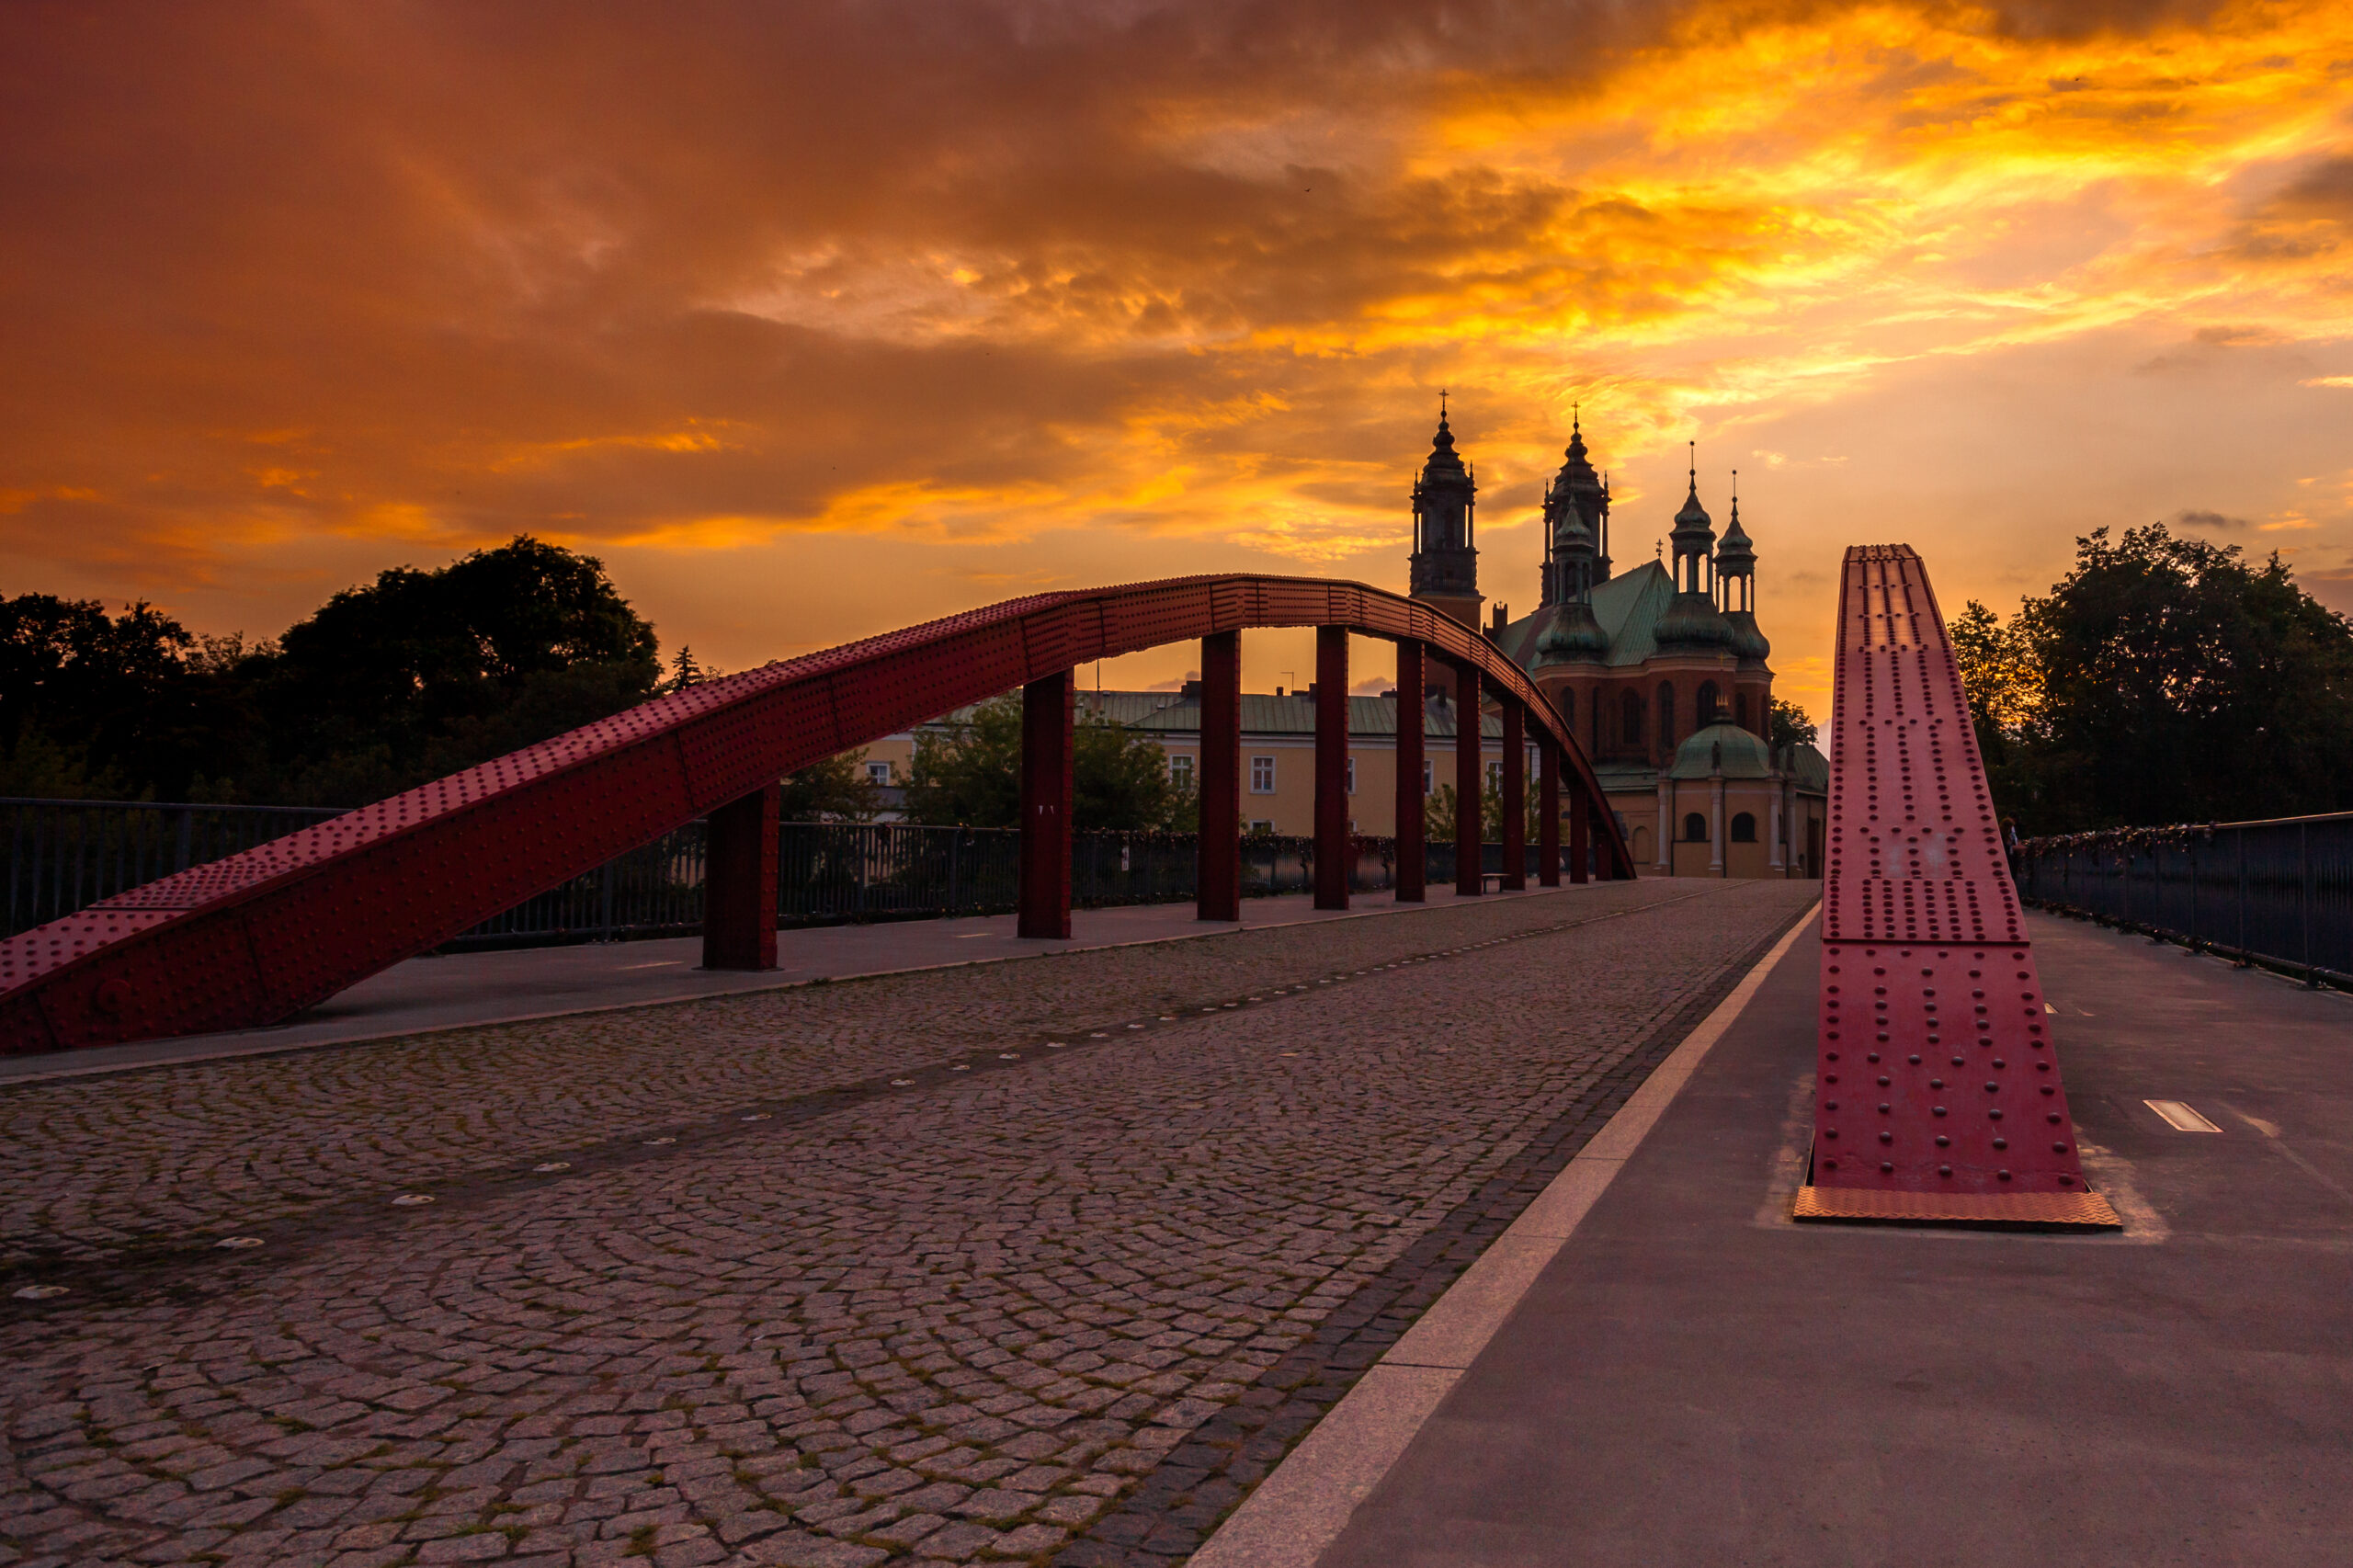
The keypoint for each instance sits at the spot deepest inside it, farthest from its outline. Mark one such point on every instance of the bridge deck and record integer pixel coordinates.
(802, 1292)
(1695, 1382)
(465, 990)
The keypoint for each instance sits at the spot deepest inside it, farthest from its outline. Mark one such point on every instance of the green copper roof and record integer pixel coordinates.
(1723, 747)
(1628, 608)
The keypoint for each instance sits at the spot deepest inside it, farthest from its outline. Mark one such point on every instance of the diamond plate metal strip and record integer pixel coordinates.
(1935, 1075)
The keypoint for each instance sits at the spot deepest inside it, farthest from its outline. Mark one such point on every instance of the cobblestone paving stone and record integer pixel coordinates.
(1064, 1309)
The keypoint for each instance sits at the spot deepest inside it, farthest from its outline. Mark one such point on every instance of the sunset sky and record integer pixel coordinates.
(813, 319)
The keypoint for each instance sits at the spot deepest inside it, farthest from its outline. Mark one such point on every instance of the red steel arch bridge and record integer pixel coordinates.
(255, 938)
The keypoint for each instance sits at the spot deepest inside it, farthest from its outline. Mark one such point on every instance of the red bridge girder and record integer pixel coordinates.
(255, 938)
(1937, 1092)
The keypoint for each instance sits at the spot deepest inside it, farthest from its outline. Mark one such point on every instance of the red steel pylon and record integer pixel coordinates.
(1937, 1096)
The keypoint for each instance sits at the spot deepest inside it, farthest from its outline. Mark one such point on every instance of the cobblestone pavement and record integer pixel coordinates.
(1047, 1261)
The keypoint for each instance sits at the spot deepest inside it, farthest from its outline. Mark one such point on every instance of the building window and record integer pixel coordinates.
(1568, 701)
(1743, 828)
(1494, 775)
(1695, 828)
(1348, 783)
(1631, 712)
(1666, 713)
(1739, 707)
(1262, 828)
(1262, 775)
(1705, 714)
(1429, 780)
(878, 773)
(1181, 772)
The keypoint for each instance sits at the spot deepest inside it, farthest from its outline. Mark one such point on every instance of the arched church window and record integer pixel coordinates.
(1703, 712)
(1739, 707)
(1743, 828)
(1695, 828)
(1632, 714)
(1568, 709)
(1666, 713)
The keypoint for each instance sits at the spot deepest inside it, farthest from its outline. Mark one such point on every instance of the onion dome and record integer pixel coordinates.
(1692, 620)
(1737, 553)
(1746, 640)
(1572, 636)
(1694, 532)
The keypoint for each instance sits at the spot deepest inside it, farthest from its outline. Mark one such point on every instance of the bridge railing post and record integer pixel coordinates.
(739, 883)
(1217, 885)
(1469, 742)
(1515, 793)
(1412, 757)
(1548, 810)
(1049, 712)
(1332, 848)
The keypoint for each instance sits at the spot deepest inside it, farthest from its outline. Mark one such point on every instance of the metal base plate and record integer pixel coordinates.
(2029, 1210)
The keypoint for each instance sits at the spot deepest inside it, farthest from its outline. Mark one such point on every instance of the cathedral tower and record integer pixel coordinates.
(1445, 566)
(1577, 497)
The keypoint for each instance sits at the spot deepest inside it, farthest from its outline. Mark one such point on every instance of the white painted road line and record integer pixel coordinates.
(1302, 1508)
(2180, 1117)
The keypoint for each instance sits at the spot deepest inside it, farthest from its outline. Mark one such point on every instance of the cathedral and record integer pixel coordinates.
(1661, 671)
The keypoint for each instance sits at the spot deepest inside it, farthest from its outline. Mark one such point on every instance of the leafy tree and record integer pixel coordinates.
(2162, 680)
(971, 775)
(423, 673)
(1438, 809)
(835, 789)
(96, 705)
(1787, 726)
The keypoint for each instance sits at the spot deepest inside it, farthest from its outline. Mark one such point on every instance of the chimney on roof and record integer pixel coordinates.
(1190, 691)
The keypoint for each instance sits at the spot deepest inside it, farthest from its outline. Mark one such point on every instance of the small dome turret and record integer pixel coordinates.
(1723, 747)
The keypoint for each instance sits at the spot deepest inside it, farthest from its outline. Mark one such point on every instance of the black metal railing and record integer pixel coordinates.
(2278, 893)
(66, 854)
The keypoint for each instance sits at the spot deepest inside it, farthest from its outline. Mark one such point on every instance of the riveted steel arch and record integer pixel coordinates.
(255, 938)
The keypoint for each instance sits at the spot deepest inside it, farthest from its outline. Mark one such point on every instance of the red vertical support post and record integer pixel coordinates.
(1469, 741)
(1547, 812)
(1515, 793)
(1219, 884)
(1332, 846)
(1412, 757)
(1048, 709)
(739, 883)
(1581, 836)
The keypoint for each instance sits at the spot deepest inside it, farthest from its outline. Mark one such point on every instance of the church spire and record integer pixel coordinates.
(1577, 498)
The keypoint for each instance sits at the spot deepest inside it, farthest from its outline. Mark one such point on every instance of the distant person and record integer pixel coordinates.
(2010, 841)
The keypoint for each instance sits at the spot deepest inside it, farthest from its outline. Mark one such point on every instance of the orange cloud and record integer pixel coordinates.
(1176, 282)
